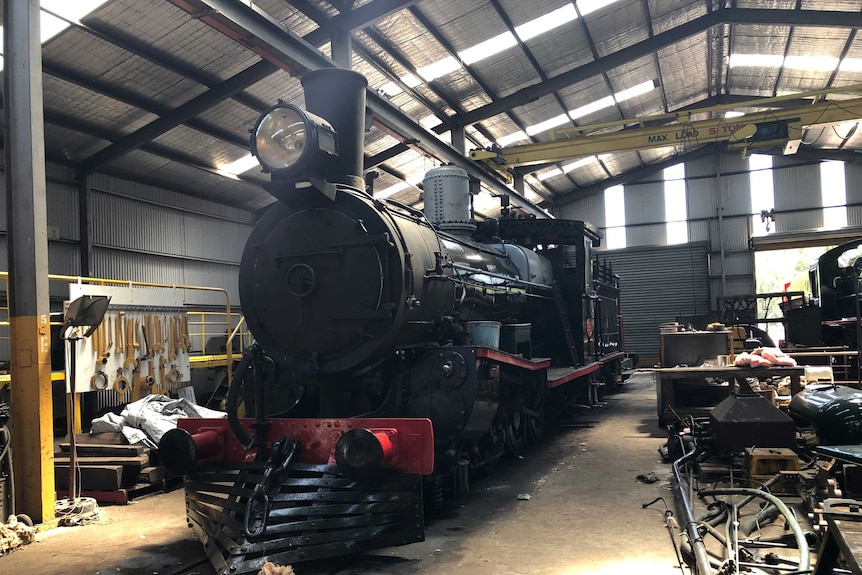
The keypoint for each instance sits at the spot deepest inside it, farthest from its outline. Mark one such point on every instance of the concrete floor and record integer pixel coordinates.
(584, 515)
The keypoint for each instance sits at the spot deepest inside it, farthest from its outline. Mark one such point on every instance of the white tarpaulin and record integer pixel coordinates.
(146, 420)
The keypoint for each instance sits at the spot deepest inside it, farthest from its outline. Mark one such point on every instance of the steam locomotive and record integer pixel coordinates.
(399, 351)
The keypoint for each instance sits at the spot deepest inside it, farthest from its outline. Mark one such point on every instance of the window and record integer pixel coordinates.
(675, 205)
(615, 218)
(762, 194)
(833, 192)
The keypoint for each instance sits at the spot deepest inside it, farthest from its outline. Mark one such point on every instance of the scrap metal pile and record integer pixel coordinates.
(769, 490)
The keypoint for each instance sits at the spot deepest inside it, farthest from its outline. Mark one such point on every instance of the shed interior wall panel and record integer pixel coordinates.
(658, 285)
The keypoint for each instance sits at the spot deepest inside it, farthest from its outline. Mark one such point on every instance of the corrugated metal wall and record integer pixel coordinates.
(658, 284)
(719, 211)
(853, 180)
(142, 233)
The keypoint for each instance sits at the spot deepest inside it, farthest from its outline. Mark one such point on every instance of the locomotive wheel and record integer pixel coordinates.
(536, 425)
(536, 417)
(515, 431)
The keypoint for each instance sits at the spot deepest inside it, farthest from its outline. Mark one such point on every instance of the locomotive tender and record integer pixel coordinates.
(399, 351)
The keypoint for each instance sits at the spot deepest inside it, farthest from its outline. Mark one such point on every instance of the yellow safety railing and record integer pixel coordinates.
(223, 326)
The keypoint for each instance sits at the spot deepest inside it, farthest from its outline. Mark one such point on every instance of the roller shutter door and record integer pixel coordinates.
(658, 284)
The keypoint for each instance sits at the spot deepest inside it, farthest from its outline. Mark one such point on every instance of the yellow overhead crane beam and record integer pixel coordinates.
(754, 131)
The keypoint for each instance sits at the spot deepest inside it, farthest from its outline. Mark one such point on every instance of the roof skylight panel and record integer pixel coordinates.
(547, 124)
(755, 60)
(239, 166)
(590, 6)
(594, 106)
(814, 63)
(546, 22)
(391, 190)
(509, 139)
(488, 48)
(437, 69)
(553, 172)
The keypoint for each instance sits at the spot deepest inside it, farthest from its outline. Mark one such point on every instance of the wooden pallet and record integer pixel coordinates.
(123, 495)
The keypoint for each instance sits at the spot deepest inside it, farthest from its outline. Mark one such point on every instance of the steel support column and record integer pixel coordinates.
(459, 137)
(32, 417)
(342, 48)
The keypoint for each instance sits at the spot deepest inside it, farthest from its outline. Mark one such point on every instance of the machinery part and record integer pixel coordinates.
(446, 195)
(242, 436)
(695, 540)
(121, 384)
(99, 381)
(795, 528)
(834, 411)
(752, 131)
(322, 527)
(258, 506)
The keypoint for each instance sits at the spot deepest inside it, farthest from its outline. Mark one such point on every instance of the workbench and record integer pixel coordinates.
(696, 390)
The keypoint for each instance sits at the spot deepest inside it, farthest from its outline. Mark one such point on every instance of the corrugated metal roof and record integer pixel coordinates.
(159, 55)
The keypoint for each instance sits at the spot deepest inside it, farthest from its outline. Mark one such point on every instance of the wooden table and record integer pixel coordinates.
(688, 391)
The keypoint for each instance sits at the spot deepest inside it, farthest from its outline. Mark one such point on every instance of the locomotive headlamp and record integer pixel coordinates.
(287, 139)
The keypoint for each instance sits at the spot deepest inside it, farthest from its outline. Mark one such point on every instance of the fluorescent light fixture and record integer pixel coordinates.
(415, 179)
(814, 63)
(547, 124)
(579, 164)
(411, 81)
(595, 106)
(733, 114)
(512, 138)
(390, 89)
(239, 166)
(755, 60)
(590, 6)
(488, 48)
(549, 174)
(634, 91)
(438, 69)
(393, 189)
(546, 22)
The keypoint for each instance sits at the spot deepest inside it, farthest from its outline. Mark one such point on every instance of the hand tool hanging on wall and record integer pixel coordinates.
(172, 338)
(185, 342)
(96, 346)
(163, 377)
(160, 342)
(106, 321)
(104, 336)
(129, 335)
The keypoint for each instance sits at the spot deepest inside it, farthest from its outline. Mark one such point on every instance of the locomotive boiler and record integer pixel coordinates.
(397, 351)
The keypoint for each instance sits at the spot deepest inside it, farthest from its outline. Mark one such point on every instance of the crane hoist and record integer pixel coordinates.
(762, 130)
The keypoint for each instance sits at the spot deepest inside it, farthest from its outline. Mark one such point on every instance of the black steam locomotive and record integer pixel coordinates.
(399, 351)
(826, 313)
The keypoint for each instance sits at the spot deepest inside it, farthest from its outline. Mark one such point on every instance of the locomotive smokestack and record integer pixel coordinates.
(338, 96)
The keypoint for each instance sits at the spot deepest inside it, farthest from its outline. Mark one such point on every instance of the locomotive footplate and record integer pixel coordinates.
(313, 512)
